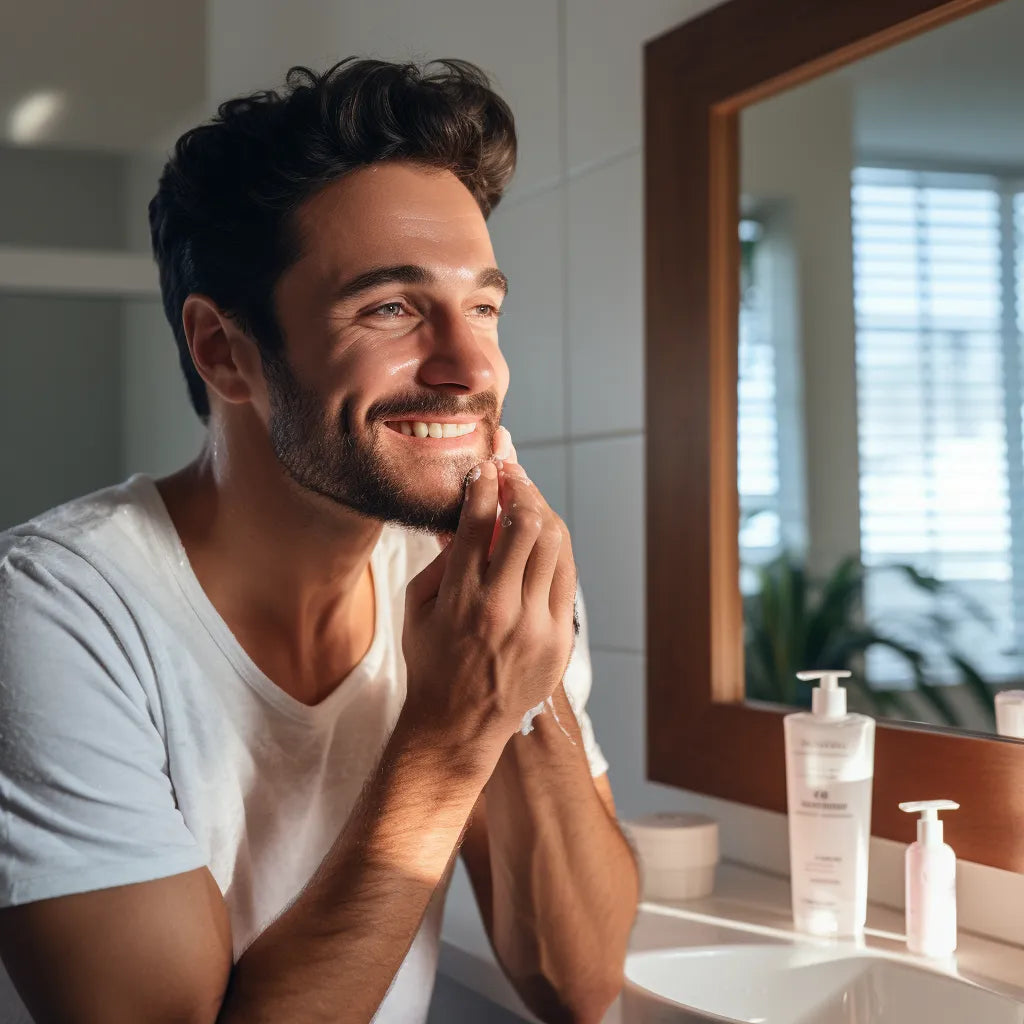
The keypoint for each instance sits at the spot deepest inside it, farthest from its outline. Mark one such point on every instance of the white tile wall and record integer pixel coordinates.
(528, 245)
(605, 298)
(608, 537)
(604, 64)
(161, 431)
(617, 709)
(253, 42)
(547, 465)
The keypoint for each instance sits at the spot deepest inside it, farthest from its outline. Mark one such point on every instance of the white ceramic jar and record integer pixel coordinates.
(678, 854)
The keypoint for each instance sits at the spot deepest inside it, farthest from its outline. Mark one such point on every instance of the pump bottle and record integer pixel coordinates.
(930, 883)
(829, 771)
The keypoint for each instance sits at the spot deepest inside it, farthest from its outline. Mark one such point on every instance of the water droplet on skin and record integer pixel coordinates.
(505, 520)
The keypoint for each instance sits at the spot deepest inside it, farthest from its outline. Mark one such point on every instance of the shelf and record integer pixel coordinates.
(102, 273)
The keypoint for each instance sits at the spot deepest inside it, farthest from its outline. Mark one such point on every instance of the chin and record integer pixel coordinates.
(434, 512)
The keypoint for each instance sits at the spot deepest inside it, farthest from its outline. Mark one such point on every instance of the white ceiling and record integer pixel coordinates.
(131, 72)
(955, 94)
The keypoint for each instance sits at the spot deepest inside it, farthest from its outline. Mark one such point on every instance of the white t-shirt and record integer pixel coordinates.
(139, 740)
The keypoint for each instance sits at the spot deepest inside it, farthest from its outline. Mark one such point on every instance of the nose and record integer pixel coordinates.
(460, 354)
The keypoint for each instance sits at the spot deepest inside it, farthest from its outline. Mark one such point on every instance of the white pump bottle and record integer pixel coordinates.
(930, 883)
(830, 758)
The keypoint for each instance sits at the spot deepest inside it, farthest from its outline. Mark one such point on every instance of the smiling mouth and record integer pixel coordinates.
(427, 430)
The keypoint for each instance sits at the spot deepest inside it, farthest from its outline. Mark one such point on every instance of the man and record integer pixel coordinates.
(250, 712)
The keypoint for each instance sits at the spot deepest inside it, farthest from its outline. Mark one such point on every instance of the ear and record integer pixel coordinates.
(224, 356)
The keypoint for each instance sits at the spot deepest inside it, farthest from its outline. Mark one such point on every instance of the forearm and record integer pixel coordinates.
(564, 882)
(332, 955)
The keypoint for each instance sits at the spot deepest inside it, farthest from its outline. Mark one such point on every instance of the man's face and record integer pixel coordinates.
(417, 346)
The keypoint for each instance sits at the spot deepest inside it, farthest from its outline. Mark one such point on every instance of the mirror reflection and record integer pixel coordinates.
(881, 460)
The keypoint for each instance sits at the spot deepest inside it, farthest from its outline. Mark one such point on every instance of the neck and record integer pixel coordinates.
(286, 569)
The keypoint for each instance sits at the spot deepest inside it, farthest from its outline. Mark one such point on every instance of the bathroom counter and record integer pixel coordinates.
(747, 906)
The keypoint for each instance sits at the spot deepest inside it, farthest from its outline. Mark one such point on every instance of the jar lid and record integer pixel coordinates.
(675, 836)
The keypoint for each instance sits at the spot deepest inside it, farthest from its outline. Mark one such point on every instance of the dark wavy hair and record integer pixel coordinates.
(222, 220)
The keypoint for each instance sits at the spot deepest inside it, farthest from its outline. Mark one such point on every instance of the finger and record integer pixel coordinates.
(468, 557)
(508, 451)
(503, 447)
(523, 516)
(541, 565)
(497, 516)
(510, 473)
(495, 533)
(505, 452)
(426, 583)
(563, 583)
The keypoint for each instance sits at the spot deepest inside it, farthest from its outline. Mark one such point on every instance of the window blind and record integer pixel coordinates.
(758, 426)
(757, 434)
(931, 285)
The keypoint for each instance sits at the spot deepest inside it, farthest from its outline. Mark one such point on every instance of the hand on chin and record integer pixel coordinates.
(504, 450)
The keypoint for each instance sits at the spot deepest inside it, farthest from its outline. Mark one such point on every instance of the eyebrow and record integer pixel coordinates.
(411, 273)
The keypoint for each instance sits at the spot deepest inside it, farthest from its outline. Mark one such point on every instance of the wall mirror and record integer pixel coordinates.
(880, 460)
(834, 327)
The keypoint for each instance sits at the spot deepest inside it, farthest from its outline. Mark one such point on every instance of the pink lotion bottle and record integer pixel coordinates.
(930, 883)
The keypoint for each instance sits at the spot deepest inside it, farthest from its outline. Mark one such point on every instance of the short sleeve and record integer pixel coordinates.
(577, 681)
(85, 798)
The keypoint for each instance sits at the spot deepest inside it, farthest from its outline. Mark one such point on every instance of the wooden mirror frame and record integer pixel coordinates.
(702, 733)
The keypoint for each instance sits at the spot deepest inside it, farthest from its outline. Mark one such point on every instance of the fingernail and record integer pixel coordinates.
(473, 474)
(505, 448)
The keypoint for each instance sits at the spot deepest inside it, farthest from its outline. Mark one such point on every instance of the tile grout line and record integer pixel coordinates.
(510, 202)
(606, 649)
(601, 435)
(563, 156)
(571, 174)
(601, 162)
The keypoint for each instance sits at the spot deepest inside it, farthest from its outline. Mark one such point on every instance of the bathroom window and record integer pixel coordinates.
(769, 437)
(938, 261)
(758, 435)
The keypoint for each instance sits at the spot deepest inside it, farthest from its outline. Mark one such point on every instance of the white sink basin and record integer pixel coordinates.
(786, 983)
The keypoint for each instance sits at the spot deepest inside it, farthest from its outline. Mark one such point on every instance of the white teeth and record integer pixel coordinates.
(421, 429)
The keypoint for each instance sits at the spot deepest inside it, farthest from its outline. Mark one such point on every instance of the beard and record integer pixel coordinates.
(328, 459)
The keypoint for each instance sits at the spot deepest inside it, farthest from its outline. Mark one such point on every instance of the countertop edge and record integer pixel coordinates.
(748, 899)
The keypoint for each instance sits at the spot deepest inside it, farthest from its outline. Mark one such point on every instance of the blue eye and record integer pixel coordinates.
(491, 312)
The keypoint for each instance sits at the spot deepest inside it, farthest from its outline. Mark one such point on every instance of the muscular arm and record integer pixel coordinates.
(554, 878)
(161, 951)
